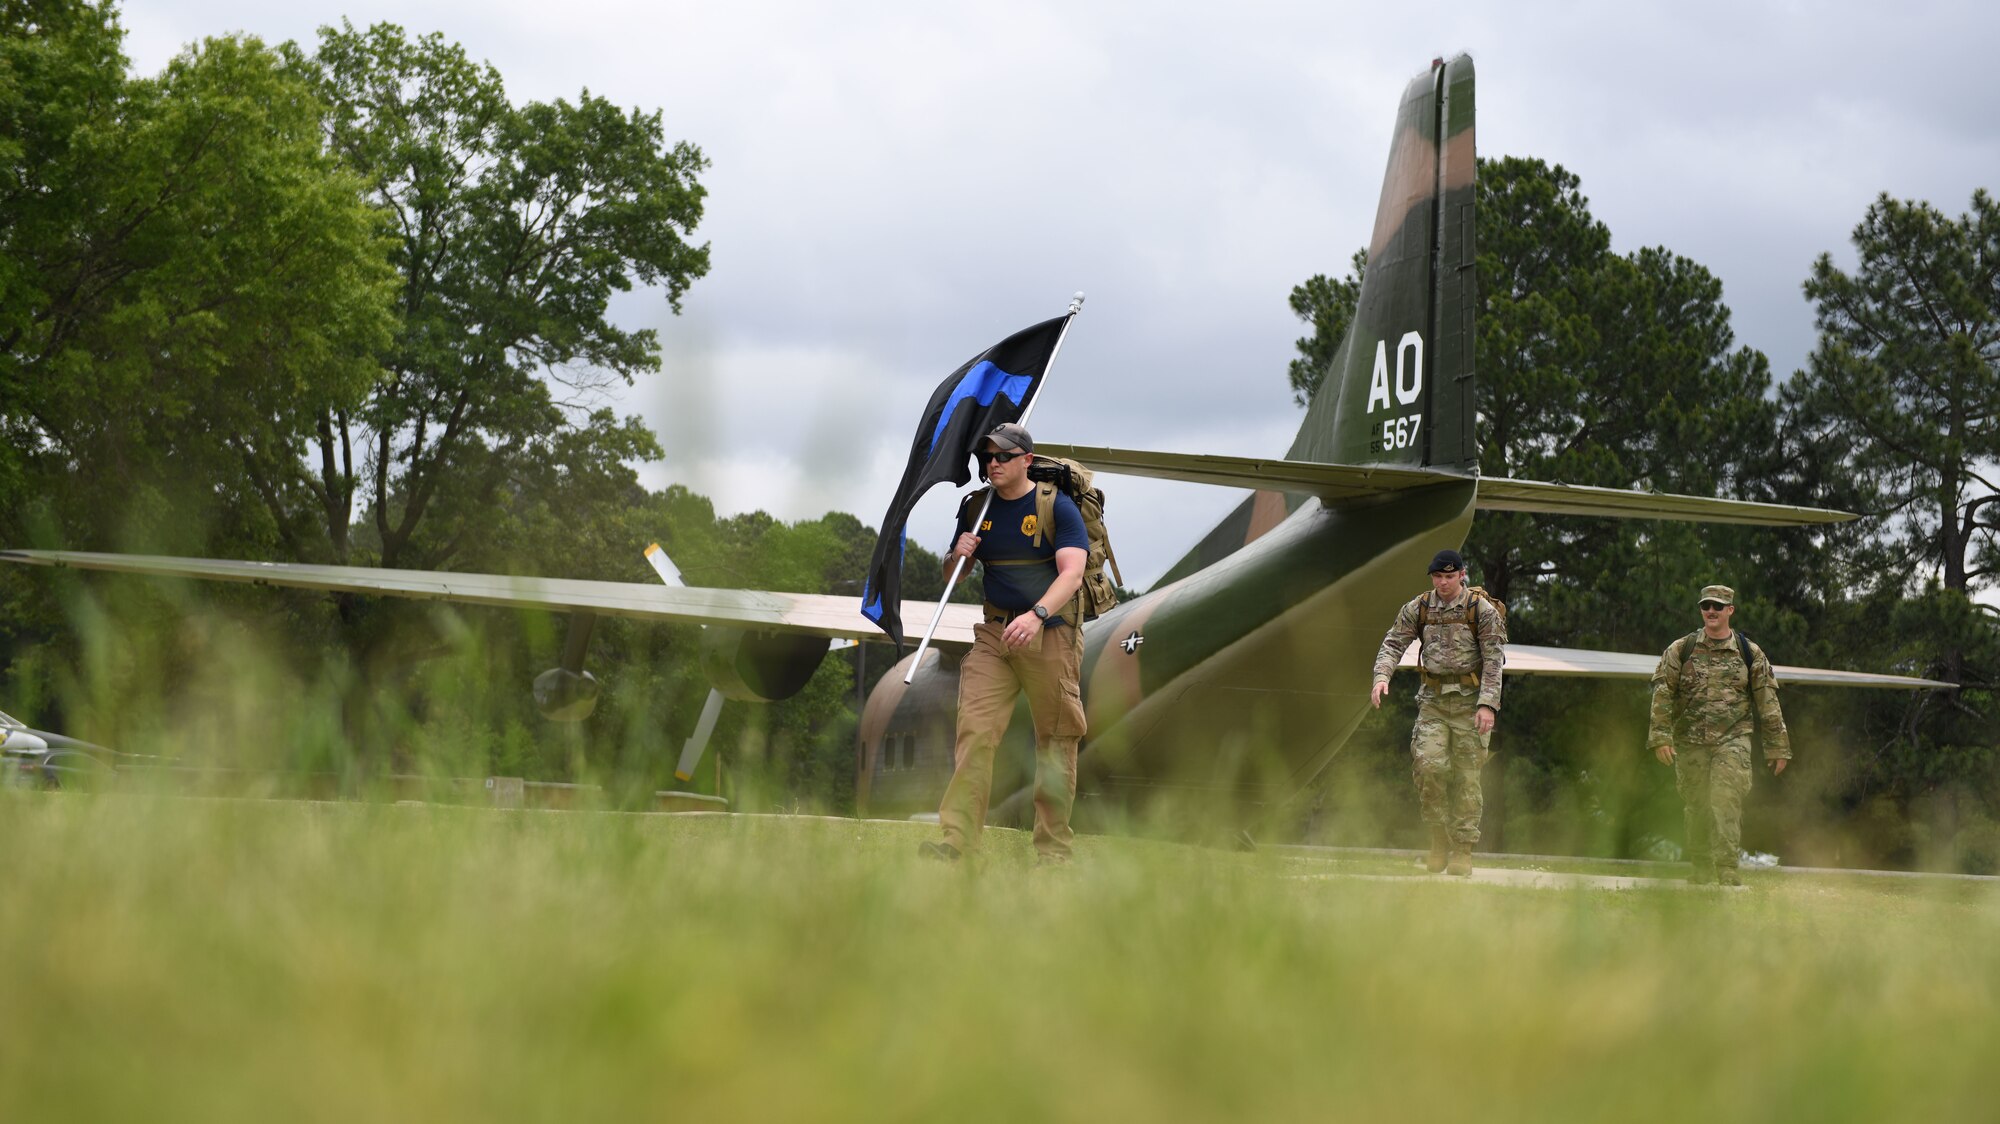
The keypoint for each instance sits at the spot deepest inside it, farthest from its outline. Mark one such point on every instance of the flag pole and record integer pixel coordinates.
(958, 568)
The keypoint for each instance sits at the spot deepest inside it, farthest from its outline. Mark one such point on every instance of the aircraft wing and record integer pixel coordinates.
(758, 610)
(1498, 493)
(1532, 659)
(1336, 483)
(1332, 482)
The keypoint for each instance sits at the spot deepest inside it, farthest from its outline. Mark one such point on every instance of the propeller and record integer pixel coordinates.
(711, 709)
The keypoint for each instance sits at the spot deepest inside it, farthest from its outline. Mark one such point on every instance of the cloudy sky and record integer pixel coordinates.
(895, 186)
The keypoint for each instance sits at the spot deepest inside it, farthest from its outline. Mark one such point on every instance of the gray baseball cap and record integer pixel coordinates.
(1008, 436)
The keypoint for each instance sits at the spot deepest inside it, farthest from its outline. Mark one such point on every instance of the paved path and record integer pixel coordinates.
(1308, 850)
(1532, 879)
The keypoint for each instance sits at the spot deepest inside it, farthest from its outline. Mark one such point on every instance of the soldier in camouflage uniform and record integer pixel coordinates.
(1709, 690)
(1464, 645)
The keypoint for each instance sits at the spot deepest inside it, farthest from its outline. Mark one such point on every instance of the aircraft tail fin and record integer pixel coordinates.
(1400, 389)
(1399, 392)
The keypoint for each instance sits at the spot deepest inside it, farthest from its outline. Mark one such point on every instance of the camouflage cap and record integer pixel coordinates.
(1008, 435)
(1720, 593)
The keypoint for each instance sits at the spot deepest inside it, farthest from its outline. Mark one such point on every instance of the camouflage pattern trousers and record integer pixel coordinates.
(1446, 754)
(1713, 780)
(991, 678)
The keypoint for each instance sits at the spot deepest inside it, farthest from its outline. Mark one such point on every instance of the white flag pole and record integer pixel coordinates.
(958, 568)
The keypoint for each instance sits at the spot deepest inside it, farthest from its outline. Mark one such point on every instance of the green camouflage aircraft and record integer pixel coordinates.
(1236, 679)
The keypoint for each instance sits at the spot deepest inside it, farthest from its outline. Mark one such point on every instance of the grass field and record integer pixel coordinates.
(184, 960)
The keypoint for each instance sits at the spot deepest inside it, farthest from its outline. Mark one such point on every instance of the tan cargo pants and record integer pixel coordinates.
(989, 680)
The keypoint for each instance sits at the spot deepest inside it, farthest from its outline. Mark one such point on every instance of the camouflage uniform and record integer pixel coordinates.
(1461, 641)
(1704, 709)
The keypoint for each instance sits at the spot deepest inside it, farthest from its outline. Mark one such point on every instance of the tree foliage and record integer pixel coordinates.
(513, 227)
(186, 281)
(1328, 305)
(1905, 382)
(1901, 401)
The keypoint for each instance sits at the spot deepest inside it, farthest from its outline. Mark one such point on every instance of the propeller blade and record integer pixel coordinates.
(698, 741)
(663, 566)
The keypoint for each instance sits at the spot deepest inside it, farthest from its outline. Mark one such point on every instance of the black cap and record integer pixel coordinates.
(1447, 561)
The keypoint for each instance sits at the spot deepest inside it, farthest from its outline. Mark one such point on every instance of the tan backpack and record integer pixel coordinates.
(1098, 594)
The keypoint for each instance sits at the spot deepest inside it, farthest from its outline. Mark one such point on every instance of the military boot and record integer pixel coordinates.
(1440, 843)
(1461, 860)
(1727, 876)
(1703, 874)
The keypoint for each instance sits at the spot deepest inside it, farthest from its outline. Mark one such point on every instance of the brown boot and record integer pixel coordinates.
(1461, 860)
(1440, 843)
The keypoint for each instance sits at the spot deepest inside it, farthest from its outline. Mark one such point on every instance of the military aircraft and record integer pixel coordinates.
(1238, 677)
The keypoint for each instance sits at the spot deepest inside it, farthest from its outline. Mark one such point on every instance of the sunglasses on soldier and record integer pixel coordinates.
(1712, 606)
(998, 457)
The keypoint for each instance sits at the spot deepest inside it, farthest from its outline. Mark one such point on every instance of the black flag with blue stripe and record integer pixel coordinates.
(992, 387)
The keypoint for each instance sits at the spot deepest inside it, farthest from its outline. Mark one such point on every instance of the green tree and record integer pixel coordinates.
(62, 74)
(1328, 305)
(186, 281)
(186, 277)
(513, 227)
(1900, 402)
(1906, 380)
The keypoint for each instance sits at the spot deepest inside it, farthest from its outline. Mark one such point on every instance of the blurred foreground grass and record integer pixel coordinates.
(169, 960)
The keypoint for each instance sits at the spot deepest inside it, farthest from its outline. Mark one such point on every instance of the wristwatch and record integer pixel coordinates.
(1041, 613)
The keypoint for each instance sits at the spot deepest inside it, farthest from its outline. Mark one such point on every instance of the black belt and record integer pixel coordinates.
(996, 615)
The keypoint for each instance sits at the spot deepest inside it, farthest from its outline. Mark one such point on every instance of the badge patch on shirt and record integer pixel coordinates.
(1028, 525)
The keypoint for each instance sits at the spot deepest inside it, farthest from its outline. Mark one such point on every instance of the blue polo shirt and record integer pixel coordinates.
(1017, 571)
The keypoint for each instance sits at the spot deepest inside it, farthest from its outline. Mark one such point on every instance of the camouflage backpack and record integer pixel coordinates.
(1686, 648)
(1479, 594)
(1097, 595)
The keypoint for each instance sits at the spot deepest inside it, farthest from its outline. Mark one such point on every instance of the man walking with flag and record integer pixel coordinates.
(1029, 639)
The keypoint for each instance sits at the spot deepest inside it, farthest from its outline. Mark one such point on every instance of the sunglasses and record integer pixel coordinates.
(998, 458)
(1712, 606)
